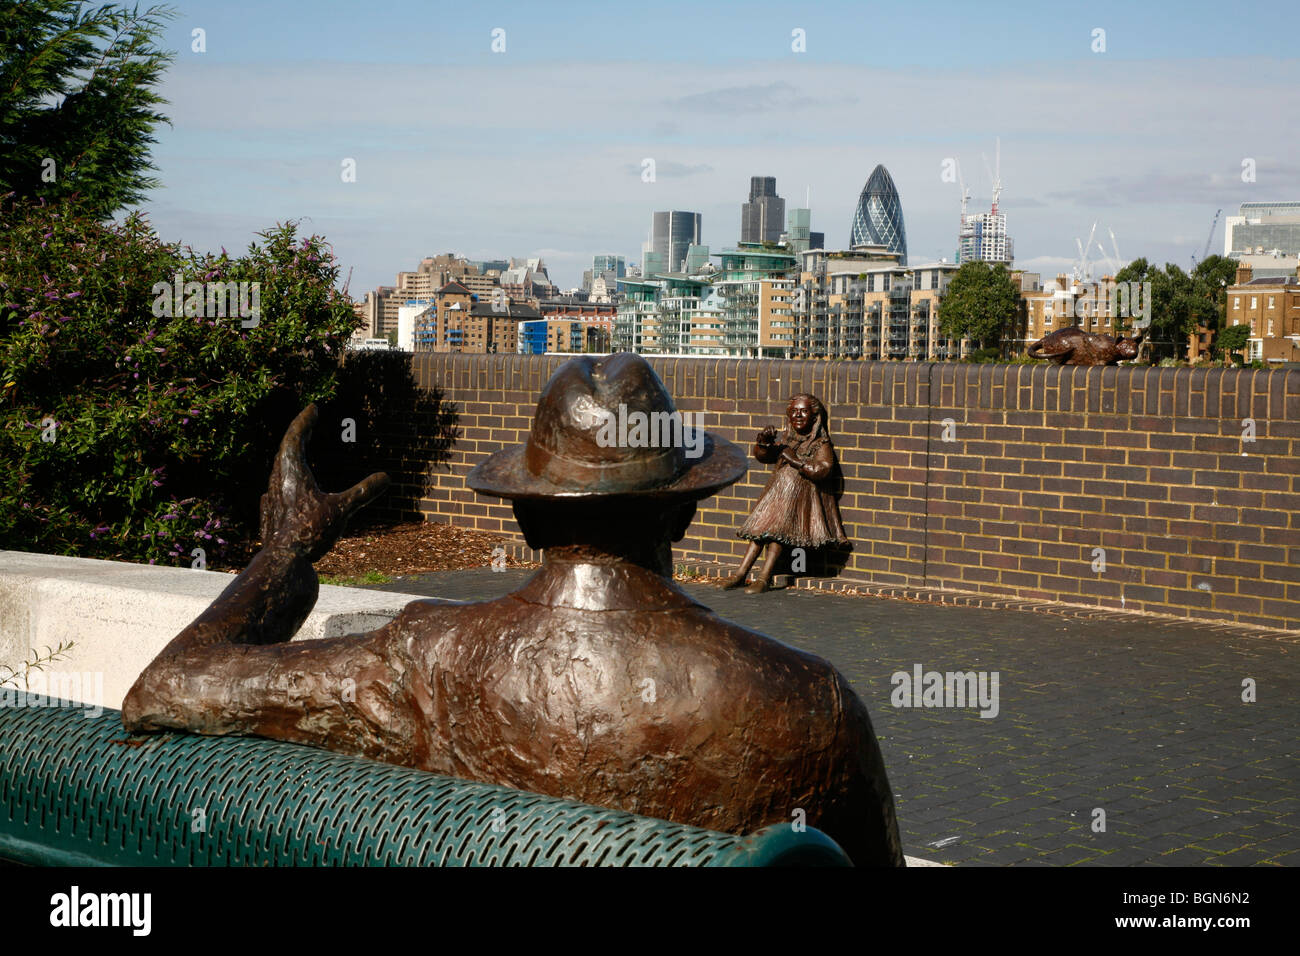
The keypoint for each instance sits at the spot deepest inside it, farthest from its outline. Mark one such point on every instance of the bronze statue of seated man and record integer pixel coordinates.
(598, 681)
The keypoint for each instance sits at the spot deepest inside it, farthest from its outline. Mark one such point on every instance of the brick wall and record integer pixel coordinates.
(1044, 465)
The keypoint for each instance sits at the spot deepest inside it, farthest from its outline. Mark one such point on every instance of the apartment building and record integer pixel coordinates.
(1102, 307)
(380, 308)
(457, 320)
(565, 335)
(755, 288)
(863, 303)
(1270, 305)
(569, 325)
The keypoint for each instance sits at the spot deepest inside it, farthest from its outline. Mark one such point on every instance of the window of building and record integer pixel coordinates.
(1254, 302)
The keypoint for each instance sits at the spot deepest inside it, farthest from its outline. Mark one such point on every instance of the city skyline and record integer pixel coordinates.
(262, 120)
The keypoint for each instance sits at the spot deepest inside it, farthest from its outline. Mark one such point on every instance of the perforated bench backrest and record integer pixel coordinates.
(77, 790)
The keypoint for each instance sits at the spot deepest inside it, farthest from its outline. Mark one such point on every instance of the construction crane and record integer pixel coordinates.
(965, 193)
(965, 198)
(1208, 239)
(995, 174)
(1082, 272)
(1119, 262)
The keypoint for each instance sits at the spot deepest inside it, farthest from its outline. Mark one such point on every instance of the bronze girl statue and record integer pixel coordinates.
(798, 508)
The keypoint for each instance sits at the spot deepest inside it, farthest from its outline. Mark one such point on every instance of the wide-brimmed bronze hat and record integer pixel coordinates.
(607, 427)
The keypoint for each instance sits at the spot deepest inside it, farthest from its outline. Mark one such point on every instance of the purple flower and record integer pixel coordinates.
(73, 295)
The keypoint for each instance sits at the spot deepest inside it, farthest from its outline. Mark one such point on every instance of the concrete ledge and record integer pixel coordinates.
(120, 615)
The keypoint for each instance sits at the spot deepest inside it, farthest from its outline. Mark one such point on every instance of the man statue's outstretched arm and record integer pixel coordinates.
(231, 670)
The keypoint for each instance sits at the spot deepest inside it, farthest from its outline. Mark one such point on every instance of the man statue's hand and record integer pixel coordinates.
(296, 515)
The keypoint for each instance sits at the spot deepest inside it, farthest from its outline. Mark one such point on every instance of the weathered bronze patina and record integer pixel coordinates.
(598, 680)
(798, 506)
(1074, 346)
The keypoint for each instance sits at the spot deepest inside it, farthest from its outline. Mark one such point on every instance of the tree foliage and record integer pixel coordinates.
(1231, 338)
(1181, 301)
(129, 434)
(78, 105)
(980, 302)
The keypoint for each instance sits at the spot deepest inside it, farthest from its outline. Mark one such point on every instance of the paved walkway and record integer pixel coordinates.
(1141, 720)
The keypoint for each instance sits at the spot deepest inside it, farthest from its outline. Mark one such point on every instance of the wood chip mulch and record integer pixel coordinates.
(411, 548)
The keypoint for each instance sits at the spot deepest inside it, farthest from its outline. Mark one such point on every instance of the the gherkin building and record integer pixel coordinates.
(878, 219)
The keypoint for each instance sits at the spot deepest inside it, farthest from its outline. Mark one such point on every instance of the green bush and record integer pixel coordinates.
(133, 435)
(985, 356)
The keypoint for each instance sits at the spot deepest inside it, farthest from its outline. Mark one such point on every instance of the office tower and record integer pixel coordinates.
(1266, 237)
(878, 220)
(1262, 227)
(613, 264)
(983, 238)
(672, 233)
(696, 258)
(798, 233)
(762, 217)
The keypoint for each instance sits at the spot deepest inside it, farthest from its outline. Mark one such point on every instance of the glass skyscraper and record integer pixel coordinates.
(762, 217)
(616, 265)
(671, 235)
(1262, 227)
(878, 219)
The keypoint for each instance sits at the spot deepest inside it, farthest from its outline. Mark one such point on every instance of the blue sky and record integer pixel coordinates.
(538, 150)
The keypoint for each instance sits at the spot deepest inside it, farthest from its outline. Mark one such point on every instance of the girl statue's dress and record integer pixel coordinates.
(798, 508)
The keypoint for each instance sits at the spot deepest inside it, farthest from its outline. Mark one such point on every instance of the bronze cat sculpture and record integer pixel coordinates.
(1074, 346)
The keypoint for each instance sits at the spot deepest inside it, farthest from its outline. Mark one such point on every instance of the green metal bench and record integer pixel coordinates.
(77, 791)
